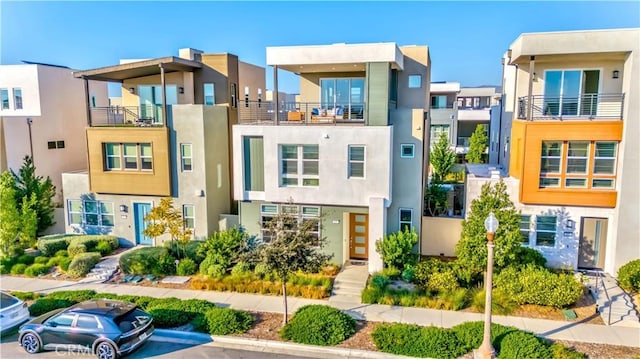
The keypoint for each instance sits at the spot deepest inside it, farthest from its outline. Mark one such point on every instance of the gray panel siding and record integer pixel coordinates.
(377, 82)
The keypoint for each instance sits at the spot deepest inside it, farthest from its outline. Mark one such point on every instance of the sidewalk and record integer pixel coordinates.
(561, 330)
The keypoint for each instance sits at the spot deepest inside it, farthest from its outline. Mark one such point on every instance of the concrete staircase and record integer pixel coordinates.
(349, 283)
(104, 270)
(614, 305)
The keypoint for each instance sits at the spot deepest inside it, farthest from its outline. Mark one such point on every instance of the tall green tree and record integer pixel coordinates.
(164, 218)
(442, 158)
(471, 250)
(477, 145)
(29, 221)
(294, 247)
(27, 183)
(9, 218)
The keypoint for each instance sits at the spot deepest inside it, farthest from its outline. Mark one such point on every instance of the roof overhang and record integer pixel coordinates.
(440, 87)
(119, 73)
(334, 58)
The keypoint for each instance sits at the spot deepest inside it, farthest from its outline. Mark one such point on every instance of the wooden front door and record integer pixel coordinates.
(593, 241)
(358, 235)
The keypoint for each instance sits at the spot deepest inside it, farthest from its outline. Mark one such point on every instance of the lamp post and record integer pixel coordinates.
(486, 350)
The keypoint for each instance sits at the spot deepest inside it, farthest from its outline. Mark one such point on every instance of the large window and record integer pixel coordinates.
(90, 213)
(17, 98)
(347, 93)
(128, 156)
(209, 94)
(525, 229)
(302, 214)
(546, 231)
(356, 161)
(571, 92)
(189, 216)
(4, 97)
(440, 101)
(299, 165)
(406, 215)
(186, 157)
(578, 164)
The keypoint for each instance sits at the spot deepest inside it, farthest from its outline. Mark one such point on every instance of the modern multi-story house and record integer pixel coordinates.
(43, 115)
(349, 155)
(569, 143)
(444, 111)
(168, 138)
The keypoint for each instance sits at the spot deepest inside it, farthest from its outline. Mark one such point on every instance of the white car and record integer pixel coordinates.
(13, 312)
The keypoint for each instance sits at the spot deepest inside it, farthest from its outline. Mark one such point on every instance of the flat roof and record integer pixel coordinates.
(444, 87)
(118, 73)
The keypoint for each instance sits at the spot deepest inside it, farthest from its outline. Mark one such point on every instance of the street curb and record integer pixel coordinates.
(266, 346)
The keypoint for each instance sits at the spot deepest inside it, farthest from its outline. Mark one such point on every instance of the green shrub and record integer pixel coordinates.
(319, 325)
(443, 282)
(518, 345)
(424, 270)
(241, 268)
(454, 299)
(559, 351)
(37, 269)
(104, 248)
(25, 295)
(73, 295)
(54, 261)
(528, 255)
(65, 263)
(379, 281)
(396, 249)
(143, 261)
(224, 321)
(18, 268)
(45, 305)
(82, 264)
(535, 285)
(166, 265)
(62, 253)
(26, 259)
(629, 276)
(224, 248)
(6, 264)
(414, 340)
(471, 334)
(169, 318)
(41, 260)
(92, 241)
(191, 248)
(391, 272)
(186, 266)
(371, 295)
(49, 245)
(261, 270)
(408, 273)
(210, 267)
(76, 248)
(500, 303)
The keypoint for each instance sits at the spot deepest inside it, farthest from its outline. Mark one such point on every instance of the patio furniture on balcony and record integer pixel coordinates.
(319, 115)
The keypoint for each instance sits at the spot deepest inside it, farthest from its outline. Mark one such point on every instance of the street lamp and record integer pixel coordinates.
(486, 350)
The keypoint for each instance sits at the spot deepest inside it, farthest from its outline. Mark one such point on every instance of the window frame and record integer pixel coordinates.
(402, 222)
(183, 157)
(99, 213)
(120, 156)
(126, 157)
(294, 210)
(407, 145)
(302, 179)
(17, 100)
(186, 218)
(538, 231)
(351, 162)
(5, 101)
(204, 94)
(411, 81)
(526, 230)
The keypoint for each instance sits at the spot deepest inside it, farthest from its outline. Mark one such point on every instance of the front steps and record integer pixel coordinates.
(349, 284)
(614, 305)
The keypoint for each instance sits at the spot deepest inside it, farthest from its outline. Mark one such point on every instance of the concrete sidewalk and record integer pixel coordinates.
(561, 330)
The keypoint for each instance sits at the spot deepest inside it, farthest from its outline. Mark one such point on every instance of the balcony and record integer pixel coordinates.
(128, 116)
(300, 113)
(586, 106)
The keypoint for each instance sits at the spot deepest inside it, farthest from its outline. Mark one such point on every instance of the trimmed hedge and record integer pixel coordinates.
(629, 276)
(224, 321)
(26, 259)
(45, 305)
(147, 260)
(187, 266)
(82, 264)
(49, 245)
(519, 344)
(319, 325)
(471, 334)
(18, 268)
(73, 295)
(37, 269)
(414, 340)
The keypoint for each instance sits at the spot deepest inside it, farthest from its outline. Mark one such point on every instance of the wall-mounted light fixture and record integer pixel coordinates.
(123, 208)
(616, 74)
(132, 90)
(181, 89)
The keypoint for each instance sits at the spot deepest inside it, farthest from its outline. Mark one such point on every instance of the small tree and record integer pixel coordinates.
(477, 145)
(471, 250)
(435, 199)
(442, 158)
(9, 218)
(224, 248)
(293, 248)
(396, 249)
(166, 219)
(27, 184)
(29, 220)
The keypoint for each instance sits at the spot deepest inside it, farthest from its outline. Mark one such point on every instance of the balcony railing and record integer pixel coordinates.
(589, 106)
(296, 113)
(142, 116)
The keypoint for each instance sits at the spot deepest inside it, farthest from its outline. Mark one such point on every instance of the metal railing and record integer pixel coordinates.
(590, 106)
(598, 274)
(146, 115)
(296, 113)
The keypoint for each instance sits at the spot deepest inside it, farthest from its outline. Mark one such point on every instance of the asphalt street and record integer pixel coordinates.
(9, 349)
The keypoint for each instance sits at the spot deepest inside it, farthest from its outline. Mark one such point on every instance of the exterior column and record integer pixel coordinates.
(532, 63)
(276, 100)
(164, 96)
(377, 230)
(86, 100)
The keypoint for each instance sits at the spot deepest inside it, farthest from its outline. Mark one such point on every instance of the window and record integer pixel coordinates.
(546, 231)
(577, 158)
(405, 219)
(571, 92)
(311, 216)
(407, 150)
(415, 81)
(52, 145)
(4, 97)
(17, 98)
(87, 322)
(209, 95)
(64, 320)
(550, 163)
(356, 161)
(439, 101)
(90, 213)
(267, 212)
(188, 214)
(186, 159)
(525, 229)
(93, 100)
(301, 214)
(346, 93)
(437, 131)
(604, 165)
(234, 95)
(299, 165)
(135, 156)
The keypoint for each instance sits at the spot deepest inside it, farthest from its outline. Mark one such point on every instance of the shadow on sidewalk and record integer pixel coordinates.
(569, 325)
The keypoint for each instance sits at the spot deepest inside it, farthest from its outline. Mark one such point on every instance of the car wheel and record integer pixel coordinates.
(105, 350)
(31, 343)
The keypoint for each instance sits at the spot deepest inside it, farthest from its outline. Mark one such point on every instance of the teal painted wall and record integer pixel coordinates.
(377, 82)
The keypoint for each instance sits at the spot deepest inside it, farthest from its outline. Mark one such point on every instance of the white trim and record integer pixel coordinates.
(401, 222)
(350, 161)
(183, 157)
(413, 150)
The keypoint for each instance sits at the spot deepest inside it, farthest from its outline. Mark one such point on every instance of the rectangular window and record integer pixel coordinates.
(146, 157)
(130, 156)
(550, 163)
(546, 231)
(310, 216)
(525, 229)
(406, 215)
(299, 165)
(112, 151)
(439, 101)
(209, 95)
(604, 162)
(437, 131)
(59, 144)
(135, 156)
(356, 161)
(577, 157)
(74, 207)
(186, 157)
(267, 213)
(90, 213)
(51, 145)
(301, 214)
(17, 98)
(106, 214)
(189, 216)
(407, 150)
(415, 81)
(4, 97)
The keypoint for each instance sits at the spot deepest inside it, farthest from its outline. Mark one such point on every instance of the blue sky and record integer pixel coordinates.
(466, 39)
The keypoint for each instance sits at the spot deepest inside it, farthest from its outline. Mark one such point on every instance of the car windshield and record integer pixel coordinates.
(7, 300)
(132, 320)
